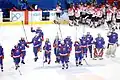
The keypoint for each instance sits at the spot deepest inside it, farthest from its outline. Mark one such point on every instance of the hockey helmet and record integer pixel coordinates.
(47, 39)
(39, 28)
(88, 33)
(76, 42)
(22, 38)
(113, 29)
(68, 36)
(57, 37)
(99, 35)
(62, 42)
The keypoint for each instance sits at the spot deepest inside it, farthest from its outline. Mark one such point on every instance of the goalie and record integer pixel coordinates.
(112, 43)
(99, 47)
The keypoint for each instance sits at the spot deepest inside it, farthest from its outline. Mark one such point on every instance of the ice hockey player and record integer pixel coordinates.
(112, 43)
(41, 35)
(58, 12)
(84, 13)
(23, 45)
(99, 47)
(94, 19)
(83, 42)
(99, 16)
(77, 15)
(71, 15)
(1, 57)
(89, 14)
(114, 9)
(109, 17)
(69, 42)
(36, 41)
(89, 42)
(78, 53)
(47, 50)
(16, 55)
(56, 48)
(63, 51)
(118, 19)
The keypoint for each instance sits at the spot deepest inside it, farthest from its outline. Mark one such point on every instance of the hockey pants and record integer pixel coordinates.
(57, 54)
(47, 55)
(111, 50)
(98, 52)
(78, 56)
(90, 50)
(23, 55)
(36, 50)
(16, 60)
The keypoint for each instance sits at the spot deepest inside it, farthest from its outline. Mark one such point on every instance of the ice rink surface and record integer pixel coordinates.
(106, 69)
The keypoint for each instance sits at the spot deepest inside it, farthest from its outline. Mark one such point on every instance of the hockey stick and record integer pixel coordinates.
(76, 33)
(86, 62)
(19, 71)
(43, 60)
(60, 32)
(24, 31)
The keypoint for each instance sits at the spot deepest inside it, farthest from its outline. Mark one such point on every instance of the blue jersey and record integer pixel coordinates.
(83, 42)
(68, 41)
(56, 43)
(1, 52)
(38, 31)
(16, 53)
(77, 47)
(47, 46)
(113, 38)
(36, 42)
(89, 39)
(99, 42)
(22, 45)
(63, 49)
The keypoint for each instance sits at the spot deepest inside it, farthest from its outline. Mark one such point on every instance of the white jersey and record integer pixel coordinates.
(99, 13)
(71, 11)
(94, 13)
(103, 10)
(109, 14)
(84, 9)
(58, 9)
(91, 10)
(80, 7)
(118, 14)
(114, 10)
(77, 12)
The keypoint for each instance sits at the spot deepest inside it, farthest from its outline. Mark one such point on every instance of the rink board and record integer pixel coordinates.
(30, 23)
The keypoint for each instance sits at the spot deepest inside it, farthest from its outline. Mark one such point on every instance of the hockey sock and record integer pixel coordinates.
(2, 68)
(66, 65)
(63, 66)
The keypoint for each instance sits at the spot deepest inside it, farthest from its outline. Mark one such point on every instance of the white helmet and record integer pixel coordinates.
(99, 35)
(62, 42)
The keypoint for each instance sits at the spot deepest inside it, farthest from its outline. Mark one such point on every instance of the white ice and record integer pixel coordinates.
(107, 69)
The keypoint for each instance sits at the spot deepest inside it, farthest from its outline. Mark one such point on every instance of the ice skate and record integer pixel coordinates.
(45, 61)
(23, 62)
(76, 63)
(63, 66)
(1, 70)
(66, 66)
(100, 58)
(35, 59)
(80, 63)
(49, 61)
(17, 66)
